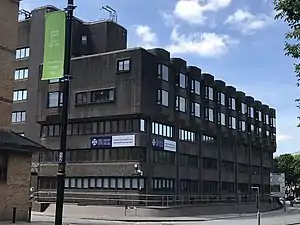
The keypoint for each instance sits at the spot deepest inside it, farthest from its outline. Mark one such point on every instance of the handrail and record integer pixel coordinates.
(146, 200)
(138, 194)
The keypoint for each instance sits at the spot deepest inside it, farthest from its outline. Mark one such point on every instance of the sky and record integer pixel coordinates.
(237, 41)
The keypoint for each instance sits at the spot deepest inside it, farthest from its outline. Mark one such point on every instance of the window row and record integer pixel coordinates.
(97, 155)
(163, 73)
(163, 184)
(163, 157)
(182, 105)
(20, 95)
(98, 96)
(210, 187)
(207, 138)
(186, 135)
(189, 186)
(112, 183)
(134, 125)
(187, 160)
(227, 166)
(97, 127)
(18, 117)
(232, 123)
(162, 129)
(22, 53)
(210, 163)
(227, 187)
(21, 74)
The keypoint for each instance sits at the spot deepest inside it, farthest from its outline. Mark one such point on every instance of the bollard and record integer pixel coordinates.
(29, 214)
(14, 215)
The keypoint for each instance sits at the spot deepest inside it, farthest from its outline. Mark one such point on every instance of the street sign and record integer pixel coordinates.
(277, 184)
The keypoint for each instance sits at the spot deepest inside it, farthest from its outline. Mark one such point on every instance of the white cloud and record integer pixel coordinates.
(203, 44)
(247, 22)
(146, 35)
(283, 137)
(169, 19)
(192, 11)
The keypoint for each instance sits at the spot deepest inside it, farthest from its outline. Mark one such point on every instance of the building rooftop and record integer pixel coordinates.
(108, 53)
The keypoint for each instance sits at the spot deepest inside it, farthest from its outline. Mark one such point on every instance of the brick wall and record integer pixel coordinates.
(15, 192)
(8, 38)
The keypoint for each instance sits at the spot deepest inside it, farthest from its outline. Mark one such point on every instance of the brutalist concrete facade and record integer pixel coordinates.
(135, 110)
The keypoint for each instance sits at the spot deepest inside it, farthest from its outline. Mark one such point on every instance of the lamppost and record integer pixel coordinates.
(138, 170)
(257, 204)
(61, 173)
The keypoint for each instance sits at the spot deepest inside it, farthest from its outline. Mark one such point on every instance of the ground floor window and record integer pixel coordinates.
(46, 183)
(227, 187)
(163, 184)
(104, 183)
(210, 187)
(188, 186)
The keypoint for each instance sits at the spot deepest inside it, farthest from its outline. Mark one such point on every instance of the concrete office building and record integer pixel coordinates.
(136, 109)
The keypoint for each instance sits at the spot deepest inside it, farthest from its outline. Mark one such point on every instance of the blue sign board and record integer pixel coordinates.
(158, 143)
(118, 141)
(101, 142)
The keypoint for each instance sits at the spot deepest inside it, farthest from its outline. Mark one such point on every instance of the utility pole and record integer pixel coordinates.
(61, 173)
(257, 204)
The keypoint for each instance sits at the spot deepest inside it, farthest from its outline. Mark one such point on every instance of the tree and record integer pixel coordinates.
(297, 167)
(289, 12)
(286, 165)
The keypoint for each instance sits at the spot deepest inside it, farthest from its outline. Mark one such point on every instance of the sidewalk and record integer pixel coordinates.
(129, 218)
(47, 219)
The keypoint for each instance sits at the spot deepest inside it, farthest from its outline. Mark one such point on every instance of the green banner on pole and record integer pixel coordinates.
(54, 47)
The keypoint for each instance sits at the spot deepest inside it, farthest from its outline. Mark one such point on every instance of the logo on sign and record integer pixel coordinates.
(94, 142)
(153, 142)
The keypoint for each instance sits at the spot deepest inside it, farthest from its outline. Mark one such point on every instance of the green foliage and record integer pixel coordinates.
(290, 165)
(289, 12)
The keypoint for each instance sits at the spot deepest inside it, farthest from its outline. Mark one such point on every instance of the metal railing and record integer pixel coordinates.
(106, 198)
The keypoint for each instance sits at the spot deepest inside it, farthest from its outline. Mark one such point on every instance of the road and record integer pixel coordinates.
(278, 217)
